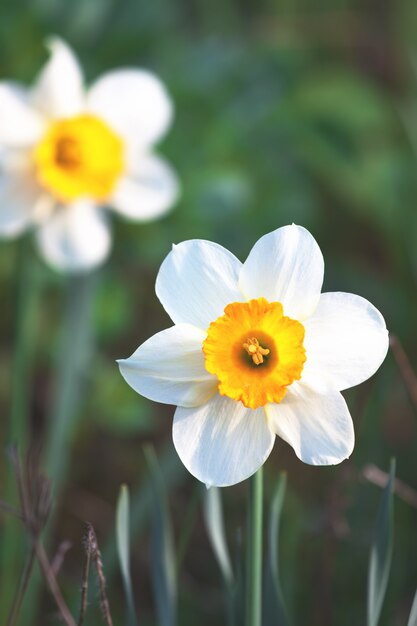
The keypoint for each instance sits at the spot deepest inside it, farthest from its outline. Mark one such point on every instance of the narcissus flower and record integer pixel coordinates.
(66, 152)
(256, 351)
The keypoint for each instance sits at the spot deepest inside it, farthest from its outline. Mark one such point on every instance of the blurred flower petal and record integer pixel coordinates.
(59, 91)
(196, 281)
(346, 341)
(85, 152)
(147, 193)
(19, 196)
(20, 125)
(222, 443)
(285, 266)
(169, 368)
(318, 427)
(134, 103)
(76, 238)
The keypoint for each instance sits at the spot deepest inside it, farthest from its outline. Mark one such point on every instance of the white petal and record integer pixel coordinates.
(346, 341)
(135, 103)
(196, 281)
(169, 368)
(20, 124)
(76, 238)
(58, 91)
(147, 193)
(318, 427)
(19, 197)
(222, 442)
(285, 266)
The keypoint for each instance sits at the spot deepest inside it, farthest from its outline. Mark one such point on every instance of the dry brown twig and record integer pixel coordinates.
(86, 571)
(35, 501)
(59, 557)
(98, 563)
(53, 584)
(11, 510)
(376, 476)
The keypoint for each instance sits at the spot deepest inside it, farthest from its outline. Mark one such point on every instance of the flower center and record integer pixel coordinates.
(79, 156)
(255, 351)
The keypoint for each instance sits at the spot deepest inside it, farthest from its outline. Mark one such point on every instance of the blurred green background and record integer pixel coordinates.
(292, 111)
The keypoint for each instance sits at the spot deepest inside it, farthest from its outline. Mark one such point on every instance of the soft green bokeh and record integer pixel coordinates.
(286, 112)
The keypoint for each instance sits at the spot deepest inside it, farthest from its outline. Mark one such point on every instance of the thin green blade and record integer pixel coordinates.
(123, 550)
(214, 521)
(412, 620)
(381, 552)
(141, 505)
(275, 613)
(162, 549)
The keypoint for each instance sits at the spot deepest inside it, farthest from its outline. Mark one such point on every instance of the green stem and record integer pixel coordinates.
(254, 552)
(27, 297)
(74, 354)
(25, 335)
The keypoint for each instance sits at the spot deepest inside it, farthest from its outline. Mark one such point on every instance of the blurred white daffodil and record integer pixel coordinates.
(256, 351)
(65, 152)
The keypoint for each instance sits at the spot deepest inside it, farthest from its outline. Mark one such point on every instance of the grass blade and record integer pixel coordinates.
(141, 504)
(123, 549)
(163, 558)
(381, 552)
(412, 620)
(214, 521)
(275, 613)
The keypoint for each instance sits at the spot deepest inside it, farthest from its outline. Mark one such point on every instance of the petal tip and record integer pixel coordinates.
(52, 42)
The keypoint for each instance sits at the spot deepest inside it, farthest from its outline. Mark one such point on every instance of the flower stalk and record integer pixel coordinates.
(74, 356)
(253, 615)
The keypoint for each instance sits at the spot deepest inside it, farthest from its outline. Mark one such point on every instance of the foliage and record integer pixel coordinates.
(285, 112)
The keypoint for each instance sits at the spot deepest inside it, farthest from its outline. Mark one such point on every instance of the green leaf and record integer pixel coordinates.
(214, 521)
(412, 620)
(123, 544)
(162, 548)
(381, 552)
(275, 613)
(141, 508)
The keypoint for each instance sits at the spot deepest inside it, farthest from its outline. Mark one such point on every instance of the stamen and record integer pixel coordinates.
(254, 350)
(68, 154)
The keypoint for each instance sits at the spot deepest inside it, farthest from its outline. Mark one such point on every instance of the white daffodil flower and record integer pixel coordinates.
(256, 351)
(65, 152)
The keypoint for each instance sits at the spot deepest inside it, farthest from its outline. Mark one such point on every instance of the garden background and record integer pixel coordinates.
(291, 111)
